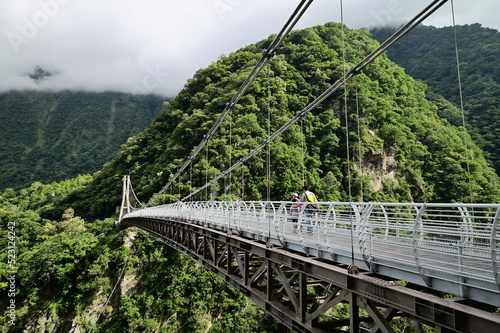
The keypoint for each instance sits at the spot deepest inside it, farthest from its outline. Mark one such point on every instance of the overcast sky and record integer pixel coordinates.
(154, 46)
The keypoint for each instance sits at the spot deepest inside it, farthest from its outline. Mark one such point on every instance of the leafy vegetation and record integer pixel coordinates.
(399, 149)
(67, 268)
(428, 53)
(55, 136)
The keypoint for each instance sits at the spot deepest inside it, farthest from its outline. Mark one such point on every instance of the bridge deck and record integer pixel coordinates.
(451, 248)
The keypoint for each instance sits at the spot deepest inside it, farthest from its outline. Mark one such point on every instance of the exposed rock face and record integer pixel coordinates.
(129, 281)
(380, 165)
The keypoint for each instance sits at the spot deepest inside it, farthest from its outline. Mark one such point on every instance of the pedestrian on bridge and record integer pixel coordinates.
(295, 210)
(310, 208)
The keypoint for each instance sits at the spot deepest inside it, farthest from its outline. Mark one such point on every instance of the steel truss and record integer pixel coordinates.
(302, 292)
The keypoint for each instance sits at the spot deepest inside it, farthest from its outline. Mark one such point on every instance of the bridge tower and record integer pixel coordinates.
(129, 199)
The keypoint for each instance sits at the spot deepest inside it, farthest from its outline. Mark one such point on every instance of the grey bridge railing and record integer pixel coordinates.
(453, 248)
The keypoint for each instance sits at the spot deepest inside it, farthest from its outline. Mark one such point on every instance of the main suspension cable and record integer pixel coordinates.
(133, 193)
(267, 54)
(405, 29)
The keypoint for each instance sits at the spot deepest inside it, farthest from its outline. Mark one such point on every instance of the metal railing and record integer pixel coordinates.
(451, 247)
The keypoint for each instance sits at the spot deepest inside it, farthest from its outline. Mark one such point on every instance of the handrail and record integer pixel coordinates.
(495, 248)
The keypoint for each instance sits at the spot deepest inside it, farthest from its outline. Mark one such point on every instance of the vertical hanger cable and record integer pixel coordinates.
(360, 155)
(269, 133)
(206, 171)
(269, 244)
(352, 269)
(303, 151)
(230, 155)
(462, 102)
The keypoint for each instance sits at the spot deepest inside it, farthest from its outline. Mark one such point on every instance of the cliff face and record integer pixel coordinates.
(379, 165)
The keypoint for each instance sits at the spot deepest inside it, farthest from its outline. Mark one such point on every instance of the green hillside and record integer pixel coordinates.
(428, 54)
(54, 136)
(408, 153)
(400, 150)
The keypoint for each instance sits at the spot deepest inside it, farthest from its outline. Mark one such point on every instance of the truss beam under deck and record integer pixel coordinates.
(302, 291)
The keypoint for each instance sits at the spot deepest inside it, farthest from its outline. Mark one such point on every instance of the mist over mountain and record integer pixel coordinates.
(39, 74)
(155, 46)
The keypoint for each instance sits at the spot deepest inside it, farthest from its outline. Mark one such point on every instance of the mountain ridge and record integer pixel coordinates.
(394, 115)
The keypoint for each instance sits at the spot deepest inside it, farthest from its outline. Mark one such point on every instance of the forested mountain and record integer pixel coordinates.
(49, 136)
(408, 153)
(400, 150)
(428, 53)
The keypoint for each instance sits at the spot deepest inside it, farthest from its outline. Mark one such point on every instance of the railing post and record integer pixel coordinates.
(416, 238)
(281, 223)
(466, 239)
(364, 233)
(494, 249)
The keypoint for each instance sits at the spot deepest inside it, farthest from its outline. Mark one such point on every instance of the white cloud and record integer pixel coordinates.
(156, 45)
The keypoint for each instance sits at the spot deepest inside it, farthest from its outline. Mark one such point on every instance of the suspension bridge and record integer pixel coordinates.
(438, 264)
(436, 249)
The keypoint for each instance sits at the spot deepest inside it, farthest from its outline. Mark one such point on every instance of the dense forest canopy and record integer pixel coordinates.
(53, 136)
(429, 54)
(66, 268)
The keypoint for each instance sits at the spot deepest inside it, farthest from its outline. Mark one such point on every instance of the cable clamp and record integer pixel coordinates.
(269, 53)
(356, 70)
